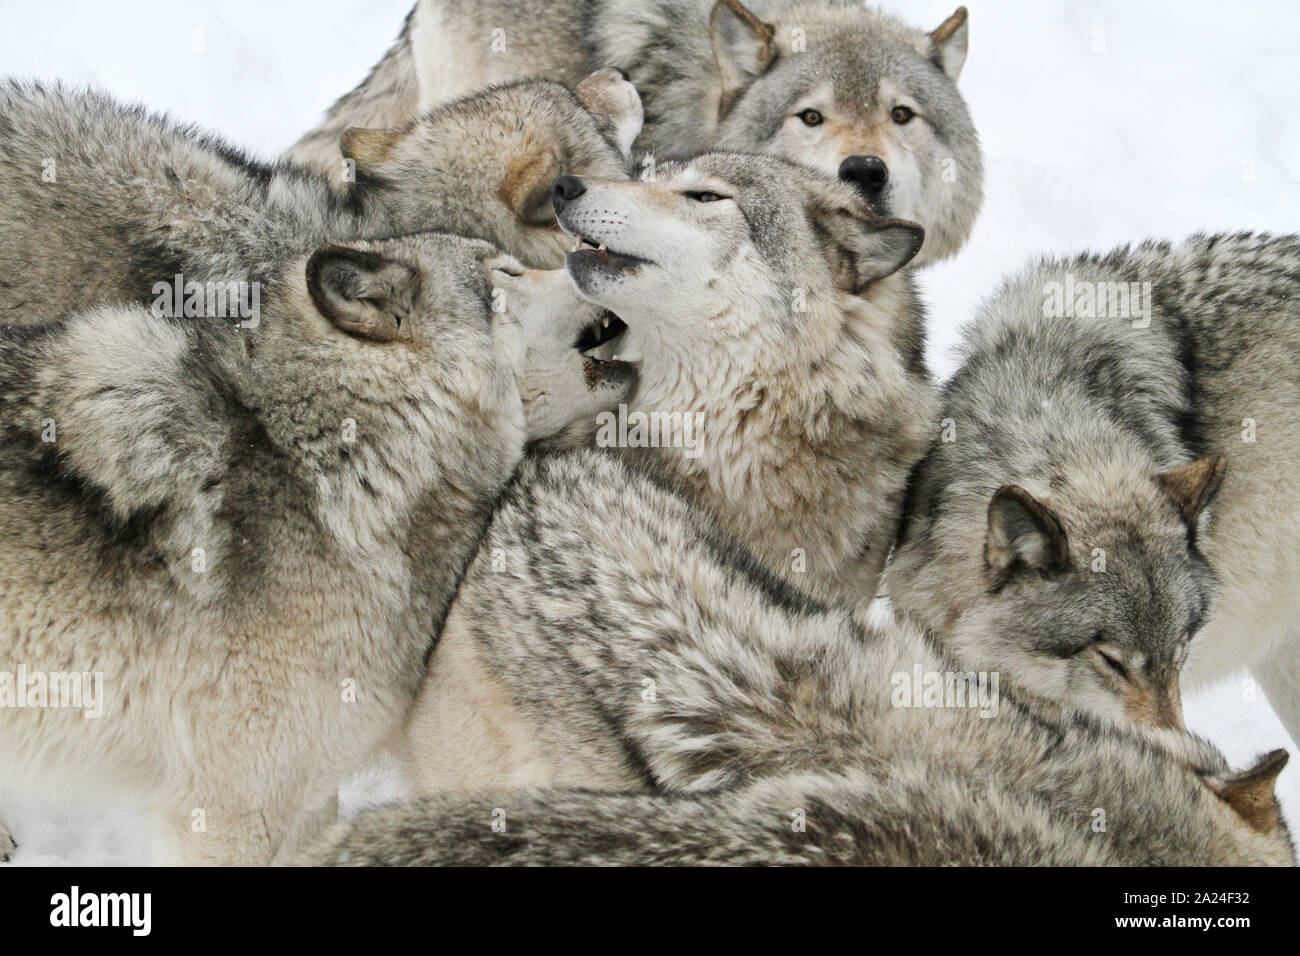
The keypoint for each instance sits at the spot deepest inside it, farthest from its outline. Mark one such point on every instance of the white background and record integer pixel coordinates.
(1103, 122)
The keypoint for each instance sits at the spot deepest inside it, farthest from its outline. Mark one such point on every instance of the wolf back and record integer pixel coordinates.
(1113, 488)
(609, 637)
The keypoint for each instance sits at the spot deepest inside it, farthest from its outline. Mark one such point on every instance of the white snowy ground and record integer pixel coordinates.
(1103, 121)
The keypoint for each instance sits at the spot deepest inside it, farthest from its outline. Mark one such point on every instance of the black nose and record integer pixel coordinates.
(565, 190)
(868, 173)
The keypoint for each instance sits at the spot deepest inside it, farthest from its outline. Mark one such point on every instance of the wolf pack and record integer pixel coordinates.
(308, 462)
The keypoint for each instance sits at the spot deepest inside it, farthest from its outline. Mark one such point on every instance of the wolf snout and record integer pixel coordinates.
(868, 174)
(565, 190)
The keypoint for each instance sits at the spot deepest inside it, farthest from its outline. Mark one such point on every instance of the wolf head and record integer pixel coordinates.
(1093, 588)
(375, 374)
(727, 253)
(367, 358)
(482, 166)
(426, 292)
(857, 94)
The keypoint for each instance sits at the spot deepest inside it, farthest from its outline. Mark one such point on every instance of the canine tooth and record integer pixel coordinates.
(605, 323)
(601, 247)
(577, 243)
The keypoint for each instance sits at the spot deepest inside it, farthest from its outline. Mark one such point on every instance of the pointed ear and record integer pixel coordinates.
(362, 293)
(526, 186)
(1023, 533)
(615, 104)
(1250, 792)
(743, 45)
(864, 249)
(947, 44)
(1193, 486)
(366, 147)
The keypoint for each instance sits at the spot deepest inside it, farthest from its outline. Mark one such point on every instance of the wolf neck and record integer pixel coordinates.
(770, 423)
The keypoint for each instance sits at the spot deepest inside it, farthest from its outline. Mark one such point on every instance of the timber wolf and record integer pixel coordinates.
(848, 90)
(102, 203)
(609, 637)
(249, 532)
(1112, 489)
(782, 382)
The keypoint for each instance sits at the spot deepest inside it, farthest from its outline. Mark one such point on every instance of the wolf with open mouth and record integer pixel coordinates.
(766, 300)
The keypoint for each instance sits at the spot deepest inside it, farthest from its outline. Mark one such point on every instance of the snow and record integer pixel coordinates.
(1102, 121)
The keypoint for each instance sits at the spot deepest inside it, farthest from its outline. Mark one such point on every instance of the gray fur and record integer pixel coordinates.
(233, 527)
(224, 518)
(136, 198)
(854, 65)
(615, 639)
(779, 316)
(1084, 413)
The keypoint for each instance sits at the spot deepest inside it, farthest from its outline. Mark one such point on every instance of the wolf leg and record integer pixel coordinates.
(307, 827)
(200, 833)
(1278, 672)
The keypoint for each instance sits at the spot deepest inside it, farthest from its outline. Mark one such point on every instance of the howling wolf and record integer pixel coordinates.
(780, 351)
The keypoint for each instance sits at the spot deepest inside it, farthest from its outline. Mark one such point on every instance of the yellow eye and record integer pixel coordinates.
(811, 118)
(901, 115)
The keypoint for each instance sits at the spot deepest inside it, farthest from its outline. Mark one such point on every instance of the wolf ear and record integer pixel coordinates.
(947, 44)
(1023, 533)
(614, 102)
(362, 293)
(1193, 486)
(743, 45)
(526, 187)
(366, 147)
(1250, 792)
(866, 249)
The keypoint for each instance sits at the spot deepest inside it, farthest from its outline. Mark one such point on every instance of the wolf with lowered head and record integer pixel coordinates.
(101, 202)
(1110, 501)
(608, 637)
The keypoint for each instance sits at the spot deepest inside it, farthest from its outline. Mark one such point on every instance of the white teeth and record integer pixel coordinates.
(605, 324)
(577, 243)
(601, 247)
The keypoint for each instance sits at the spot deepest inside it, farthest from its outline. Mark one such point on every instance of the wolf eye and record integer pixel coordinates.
(901, 115)
(705, 197)
(811, 118)
(1114, 663)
